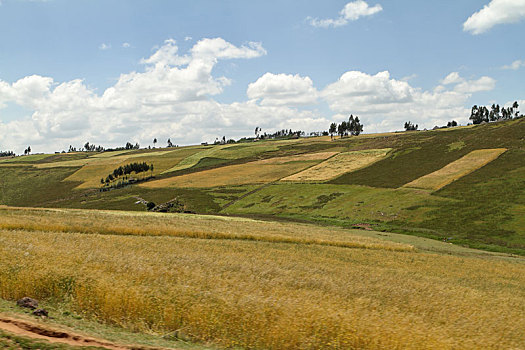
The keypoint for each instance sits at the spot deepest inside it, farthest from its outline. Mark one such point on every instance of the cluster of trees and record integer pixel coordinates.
(126, 170)
(92, 148)
(281, 134)
(7, 154)
(411, 127)
(223, 141)
(482, 114)
(352, 126)
(27, 151)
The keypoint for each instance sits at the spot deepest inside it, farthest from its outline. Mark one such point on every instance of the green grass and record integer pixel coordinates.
(352, 203)
(27, 186)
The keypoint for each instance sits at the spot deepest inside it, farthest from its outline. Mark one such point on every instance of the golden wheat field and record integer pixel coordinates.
(457, 169)
(261, 171)
(339, 164)
(254, 284)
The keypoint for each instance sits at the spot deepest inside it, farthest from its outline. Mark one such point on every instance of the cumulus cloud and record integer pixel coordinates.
(385, 103)
(283, 90)
(126, 45)
(172, 97)
(496, 12)
(467, 86)
(515, 65)
(351, 12)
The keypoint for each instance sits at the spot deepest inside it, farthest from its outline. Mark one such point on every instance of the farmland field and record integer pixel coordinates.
(246, 283)
(338, 165)
(261, 171)
(457, 169)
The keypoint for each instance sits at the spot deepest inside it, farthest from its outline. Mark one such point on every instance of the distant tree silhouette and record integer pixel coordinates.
(410, 127)
(332, 130)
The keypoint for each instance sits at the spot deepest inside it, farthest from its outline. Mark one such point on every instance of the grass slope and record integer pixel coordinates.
(482, 209)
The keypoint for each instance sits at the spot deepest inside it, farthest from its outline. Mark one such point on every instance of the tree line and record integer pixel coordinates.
(482, 114)
(352, 126)
(7, 154)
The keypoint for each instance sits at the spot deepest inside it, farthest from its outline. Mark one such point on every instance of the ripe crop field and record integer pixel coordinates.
(253, 284)
(457, 169)
(338, 165)
(262, 171)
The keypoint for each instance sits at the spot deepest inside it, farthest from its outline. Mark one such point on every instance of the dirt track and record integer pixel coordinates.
(35, 331)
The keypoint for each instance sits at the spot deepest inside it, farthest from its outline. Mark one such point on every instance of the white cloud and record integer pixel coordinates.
(515, 65)
(174, 97)
(283, 90)
(452, 78)
(351, 12)
(384, 103)
(104, 46)
(187, 38)
(467, 86)
(471, 86)
(126, 45)
(496, 12)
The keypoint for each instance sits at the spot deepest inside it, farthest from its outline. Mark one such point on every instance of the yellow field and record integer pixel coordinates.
(457, 169)
(97, 168)
(239, 284)
(262, 171)
(338, 165)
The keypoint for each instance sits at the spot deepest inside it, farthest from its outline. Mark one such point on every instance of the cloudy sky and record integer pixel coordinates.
(111, 71)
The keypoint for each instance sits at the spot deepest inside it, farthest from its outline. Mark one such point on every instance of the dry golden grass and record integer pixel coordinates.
(262, 171)
(338, 165)
(261, 294)
(457, 169)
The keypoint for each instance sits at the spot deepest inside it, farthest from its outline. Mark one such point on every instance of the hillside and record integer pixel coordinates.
(465, 185)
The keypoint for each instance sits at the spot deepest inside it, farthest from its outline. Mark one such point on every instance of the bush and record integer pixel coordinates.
(150, 205)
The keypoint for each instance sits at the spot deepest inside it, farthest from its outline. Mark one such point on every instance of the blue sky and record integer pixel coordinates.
(108, 72)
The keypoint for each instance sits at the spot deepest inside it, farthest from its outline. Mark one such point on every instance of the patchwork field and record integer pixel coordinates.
(225, 152)
(338, 165)
(457, 169)
(99, 167)
(262, 171)
(252, 284)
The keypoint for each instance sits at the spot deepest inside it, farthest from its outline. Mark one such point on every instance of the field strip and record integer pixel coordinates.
(457, 169)
(339, 164)
(229, 151)
(279, 239)
(261, 171)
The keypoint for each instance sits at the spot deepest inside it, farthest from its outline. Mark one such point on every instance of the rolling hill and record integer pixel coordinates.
(465, 185)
